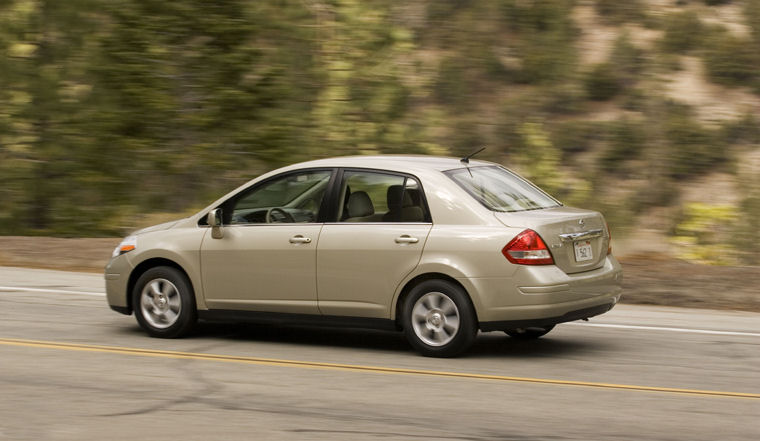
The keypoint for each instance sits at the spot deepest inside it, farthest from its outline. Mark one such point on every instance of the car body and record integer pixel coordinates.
(437, 247)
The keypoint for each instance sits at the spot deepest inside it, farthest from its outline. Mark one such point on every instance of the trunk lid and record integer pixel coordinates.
(577, 238)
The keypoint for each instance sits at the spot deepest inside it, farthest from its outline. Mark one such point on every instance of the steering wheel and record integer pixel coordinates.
(277, 214)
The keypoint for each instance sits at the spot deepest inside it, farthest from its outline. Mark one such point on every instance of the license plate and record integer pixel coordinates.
(583, 251)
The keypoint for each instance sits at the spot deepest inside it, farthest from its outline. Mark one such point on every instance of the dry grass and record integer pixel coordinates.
(87, 255)
(668, 281)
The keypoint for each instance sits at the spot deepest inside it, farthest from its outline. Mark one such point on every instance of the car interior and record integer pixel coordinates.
(404, 205)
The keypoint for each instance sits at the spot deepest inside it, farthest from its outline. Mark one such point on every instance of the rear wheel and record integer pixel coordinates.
(164, 302)
(438, 319)
(530, 333)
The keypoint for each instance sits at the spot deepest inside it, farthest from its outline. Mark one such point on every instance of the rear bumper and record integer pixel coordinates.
(537, 295)
(577, 314)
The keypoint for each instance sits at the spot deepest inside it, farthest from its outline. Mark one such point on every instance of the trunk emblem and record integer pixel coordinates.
(581, 222)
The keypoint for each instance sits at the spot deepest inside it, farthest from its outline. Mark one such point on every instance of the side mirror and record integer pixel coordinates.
(214, 220)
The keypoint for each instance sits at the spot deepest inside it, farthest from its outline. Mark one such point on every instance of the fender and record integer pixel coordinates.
(179, 247)
(441, 266)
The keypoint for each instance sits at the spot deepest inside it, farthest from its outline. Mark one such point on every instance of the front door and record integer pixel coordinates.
(266, 260)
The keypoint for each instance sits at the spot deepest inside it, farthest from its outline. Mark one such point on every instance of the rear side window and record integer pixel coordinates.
(501, 190)
(370, 196)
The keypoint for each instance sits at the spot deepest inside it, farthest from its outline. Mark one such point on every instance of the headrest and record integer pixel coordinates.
(394, 197)
(360, 205)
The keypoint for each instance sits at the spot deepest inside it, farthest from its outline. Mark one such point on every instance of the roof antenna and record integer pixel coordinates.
(466, 159)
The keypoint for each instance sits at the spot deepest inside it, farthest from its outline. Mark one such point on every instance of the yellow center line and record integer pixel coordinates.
(354, 367)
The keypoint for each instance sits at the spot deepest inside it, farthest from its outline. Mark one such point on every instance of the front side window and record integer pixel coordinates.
(501, 190)
(296, 197)
(368, 196)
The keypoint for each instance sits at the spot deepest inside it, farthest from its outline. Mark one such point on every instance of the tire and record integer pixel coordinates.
(530, 333)
(438, 319)
(164, 302)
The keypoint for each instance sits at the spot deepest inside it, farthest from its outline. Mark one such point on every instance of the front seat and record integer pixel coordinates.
(359, 207)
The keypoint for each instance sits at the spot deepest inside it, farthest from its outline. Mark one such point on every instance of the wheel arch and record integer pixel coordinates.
(147, 264)
(409, 285)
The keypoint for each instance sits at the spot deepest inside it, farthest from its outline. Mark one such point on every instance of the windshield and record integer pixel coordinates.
(501, 190)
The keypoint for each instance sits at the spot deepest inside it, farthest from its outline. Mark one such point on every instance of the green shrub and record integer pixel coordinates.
(545, 34)
(659, 191)
(635, 100)
(465, 137)
(747, 227)
(441, 11)
(692, 148)
(561, 98)
(602, 82)
(730, 60)
(702, 236)
(575, 136)
(539, 159)
(451, 86)
(627, 59)
(619, 12)
(667, 63)
(545, 57)
(539, 15)
(741, 130)
(748, 215)
(683, 32)
(752, 16)
(626, 140)
(606, 80)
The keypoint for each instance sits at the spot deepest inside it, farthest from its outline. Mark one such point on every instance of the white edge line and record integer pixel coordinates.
(662, 328)
(56, 291)
(598, 325)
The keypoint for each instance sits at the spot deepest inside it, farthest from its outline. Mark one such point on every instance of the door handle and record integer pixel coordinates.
(406, 239)
(299, 239)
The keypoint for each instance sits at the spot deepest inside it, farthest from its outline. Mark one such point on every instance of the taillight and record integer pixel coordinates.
(609, 238)
(527, 248)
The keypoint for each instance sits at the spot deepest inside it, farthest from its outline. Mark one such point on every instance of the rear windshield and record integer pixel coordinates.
(501, 190)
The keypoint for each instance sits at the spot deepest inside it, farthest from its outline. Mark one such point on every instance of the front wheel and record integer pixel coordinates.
(529, 333)
(438, 319)
(164, 302)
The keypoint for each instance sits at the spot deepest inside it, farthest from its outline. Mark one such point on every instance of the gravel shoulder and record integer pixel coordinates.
(67, 254)
(648, 280)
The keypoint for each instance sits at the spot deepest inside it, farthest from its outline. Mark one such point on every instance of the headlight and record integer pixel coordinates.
(128, 244)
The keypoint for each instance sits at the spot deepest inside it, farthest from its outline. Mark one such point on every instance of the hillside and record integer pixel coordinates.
(113, 116)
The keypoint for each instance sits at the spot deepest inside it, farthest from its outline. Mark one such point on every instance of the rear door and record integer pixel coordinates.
(375, 240)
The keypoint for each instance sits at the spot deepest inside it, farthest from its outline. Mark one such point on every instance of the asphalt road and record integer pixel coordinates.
(71, 369)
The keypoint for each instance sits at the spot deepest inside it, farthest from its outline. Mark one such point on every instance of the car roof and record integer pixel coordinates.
(393, 162)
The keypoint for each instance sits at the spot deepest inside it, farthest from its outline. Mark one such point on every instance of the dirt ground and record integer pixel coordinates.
(649, 280)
